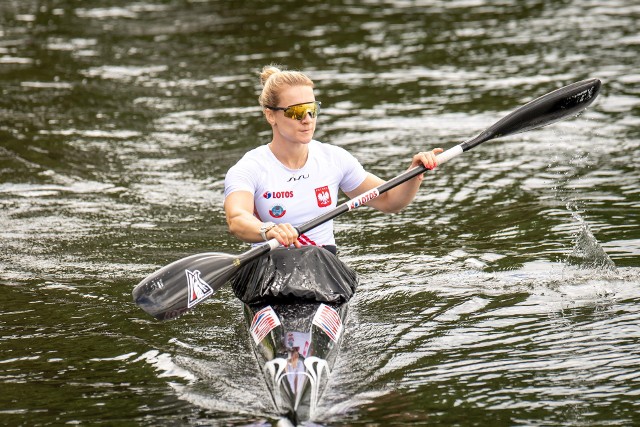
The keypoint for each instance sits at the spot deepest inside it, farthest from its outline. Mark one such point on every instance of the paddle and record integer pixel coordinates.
(181, 285)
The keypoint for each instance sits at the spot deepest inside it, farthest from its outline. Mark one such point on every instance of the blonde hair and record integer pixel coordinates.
(273, 80)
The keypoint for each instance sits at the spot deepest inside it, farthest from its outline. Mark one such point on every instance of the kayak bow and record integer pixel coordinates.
(296, 346)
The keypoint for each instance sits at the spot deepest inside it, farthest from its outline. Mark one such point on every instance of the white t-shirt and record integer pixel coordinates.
(284, 195)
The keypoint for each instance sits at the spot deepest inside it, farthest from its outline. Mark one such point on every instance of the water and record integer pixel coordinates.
(507, 293)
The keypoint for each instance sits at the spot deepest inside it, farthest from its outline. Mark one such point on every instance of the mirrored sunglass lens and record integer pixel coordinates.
(298, 112)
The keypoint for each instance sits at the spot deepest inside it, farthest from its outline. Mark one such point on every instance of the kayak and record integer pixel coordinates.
(296, 346)
(295, 304)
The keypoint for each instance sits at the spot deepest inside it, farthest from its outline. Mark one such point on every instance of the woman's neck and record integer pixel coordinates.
(293, 157)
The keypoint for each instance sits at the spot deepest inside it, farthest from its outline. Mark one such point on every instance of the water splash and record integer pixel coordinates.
(587, 252)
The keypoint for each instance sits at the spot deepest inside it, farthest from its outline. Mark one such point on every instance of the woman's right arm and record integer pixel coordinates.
(238, 207)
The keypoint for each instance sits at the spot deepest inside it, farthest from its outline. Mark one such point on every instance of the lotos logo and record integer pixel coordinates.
(277, 211)
(363, 198)
(323, 196)
(278, 194)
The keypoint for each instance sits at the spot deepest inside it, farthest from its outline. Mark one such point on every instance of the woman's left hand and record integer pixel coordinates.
(426, 158)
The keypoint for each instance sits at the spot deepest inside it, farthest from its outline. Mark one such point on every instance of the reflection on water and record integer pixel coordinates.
(297, 344)
(506, 293)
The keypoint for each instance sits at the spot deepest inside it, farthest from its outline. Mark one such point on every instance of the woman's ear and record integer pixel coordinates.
(270, 116)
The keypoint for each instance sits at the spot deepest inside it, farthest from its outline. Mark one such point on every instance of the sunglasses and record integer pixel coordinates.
(299, 111)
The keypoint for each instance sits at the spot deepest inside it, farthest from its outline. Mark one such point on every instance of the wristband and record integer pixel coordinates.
(266, 226)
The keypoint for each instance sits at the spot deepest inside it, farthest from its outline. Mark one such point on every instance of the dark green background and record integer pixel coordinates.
(506, 294)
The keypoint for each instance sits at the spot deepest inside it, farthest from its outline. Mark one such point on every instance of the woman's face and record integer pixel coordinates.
(291, 130)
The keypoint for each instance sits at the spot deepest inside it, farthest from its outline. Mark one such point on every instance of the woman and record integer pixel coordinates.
(294, 178)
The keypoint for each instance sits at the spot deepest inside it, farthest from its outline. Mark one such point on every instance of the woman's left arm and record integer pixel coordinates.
(397, 198)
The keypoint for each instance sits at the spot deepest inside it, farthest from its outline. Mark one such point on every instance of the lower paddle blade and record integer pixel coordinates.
(171, 291)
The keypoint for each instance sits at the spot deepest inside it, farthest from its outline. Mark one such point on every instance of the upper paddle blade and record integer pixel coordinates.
(174, 289)
(550, 108)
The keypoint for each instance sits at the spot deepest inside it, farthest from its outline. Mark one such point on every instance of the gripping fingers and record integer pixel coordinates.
(285, 234)
(428, 158)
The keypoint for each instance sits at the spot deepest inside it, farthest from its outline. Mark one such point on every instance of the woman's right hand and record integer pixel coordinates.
(285, 234)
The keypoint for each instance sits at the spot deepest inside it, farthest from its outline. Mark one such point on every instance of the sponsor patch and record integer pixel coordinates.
(329, 321)
(263, 322)
(277, 211)
(197, 288)
(323, 196)
(277, 194)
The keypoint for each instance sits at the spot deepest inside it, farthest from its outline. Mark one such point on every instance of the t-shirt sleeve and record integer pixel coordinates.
(353, 172)
(240, 177)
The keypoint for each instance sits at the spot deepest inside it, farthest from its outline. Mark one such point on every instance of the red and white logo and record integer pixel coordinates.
(197, 288)
(277, 211)
(277, 194)
(363, 198)
(323, 196)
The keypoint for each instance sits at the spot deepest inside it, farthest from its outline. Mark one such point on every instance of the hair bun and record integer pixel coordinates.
(274, 79)
(268, 71)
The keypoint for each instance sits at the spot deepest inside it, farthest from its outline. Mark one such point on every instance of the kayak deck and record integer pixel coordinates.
(296, 346)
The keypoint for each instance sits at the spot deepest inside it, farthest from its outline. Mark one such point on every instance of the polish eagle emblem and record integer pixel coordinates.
(323, 196)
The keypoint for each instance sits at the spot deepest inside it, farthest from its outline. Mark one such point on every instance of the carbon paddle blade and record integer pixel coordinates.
(171, 291)
(550, 108)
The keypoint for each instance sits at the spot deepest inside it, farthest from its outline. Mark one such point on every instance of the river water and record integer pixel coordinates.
(506, 294)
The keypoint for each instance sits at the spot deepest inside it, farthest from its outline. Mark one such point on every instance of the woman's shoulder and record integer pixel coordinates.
(257, 152)
(255, 155)
(250, 163)
(329, 149)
